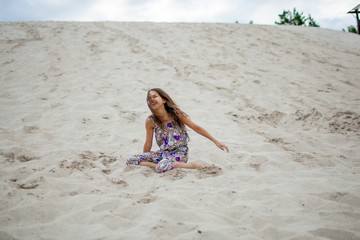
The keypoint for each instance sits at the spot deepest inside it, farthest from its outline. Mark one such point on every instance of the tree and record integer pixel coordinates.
(296, 18)
(351, 29)
(311, 22)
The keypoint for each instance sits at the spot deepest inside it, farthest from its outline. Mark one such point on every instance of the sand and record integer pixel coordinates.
(286, 100)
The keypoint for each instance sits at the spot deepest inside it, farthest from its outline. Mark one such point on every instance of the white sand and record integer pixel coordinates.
(286, 100)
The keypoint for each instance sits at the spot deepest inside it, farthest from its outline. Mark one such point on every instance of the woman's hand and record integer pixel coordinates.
(222, 146)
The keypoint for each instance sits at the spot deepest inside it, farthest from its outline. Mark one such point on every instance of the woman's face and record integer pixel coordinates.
(154, 100)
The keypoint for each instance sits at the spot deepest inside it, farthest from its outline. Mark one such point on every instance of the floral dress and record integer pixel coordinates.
(172, 141)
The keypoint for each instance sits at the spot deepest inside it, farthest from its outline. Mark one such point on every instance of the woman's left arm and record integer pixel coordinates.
(187, 121)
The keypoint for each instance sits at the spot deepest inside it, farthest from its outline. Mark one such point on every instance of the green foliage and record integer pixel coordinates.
(296, 18)
(311, 22)
(351, 29)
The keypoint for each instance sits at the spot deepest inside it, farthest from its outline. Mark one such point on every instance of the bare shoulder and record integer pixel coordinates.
(184, 118)
(182, 115)
(149, 123)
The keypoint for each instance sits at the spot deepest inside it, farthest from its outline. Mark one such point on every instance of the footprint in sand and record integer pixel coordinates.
(30, 129)
(147, 198)
(10, 157)
(210, 171)
(174, 174)
(32, 184)
(24, 158)
(120, 182)
(28, 185)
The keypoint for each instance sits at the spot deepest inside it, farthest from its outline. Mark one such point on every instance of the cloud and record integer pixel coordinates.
(158, 10)
(328, 13)
(40, 10)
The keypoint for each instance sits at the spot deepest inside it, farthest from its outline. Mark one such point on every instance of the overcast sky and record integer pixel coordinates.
(328, 13)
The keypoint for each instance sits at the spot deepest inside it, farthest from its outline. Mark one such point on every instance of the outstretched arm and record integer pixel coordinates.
(149, 135)
(187, 121)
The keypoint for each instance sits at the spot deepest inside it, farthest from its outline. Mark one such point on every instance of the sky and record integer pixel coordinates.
(330, 14)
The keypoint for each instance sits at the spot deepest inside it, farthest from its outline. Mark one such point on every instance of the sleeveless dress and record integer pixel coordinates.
(172, 141)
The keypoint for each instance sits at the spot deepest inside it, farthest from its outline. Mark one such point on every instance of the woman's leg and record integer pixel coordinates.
(164, 165)
(192, 165)
(180, 158)
(167, 165)
(149, 159)
(148, 164)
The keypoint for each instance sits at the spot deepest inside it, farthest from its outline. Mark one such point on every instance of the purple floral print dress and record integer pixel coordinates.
(172, 141)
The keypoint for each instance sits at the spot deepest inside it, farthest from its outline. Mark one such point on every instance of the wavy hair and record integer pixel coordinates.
(170, 106)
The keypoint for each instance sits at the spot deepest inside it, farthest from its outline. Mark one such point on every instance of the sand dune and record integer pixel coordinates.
(284, 99)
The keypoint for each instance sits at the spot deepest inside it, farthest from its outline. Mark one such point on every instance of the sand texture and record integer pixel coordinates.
(286, 100)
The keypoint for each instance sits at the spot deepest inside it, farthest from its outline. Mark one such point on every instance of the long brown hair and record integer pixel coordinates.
(170, 106)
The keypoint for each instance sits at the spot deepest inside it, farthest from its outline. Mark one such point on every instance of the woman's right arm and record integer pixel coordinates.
(149, 135)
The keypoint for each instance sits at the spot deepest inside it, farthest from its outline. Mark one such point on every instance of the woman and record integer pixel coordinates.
(168, 122)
